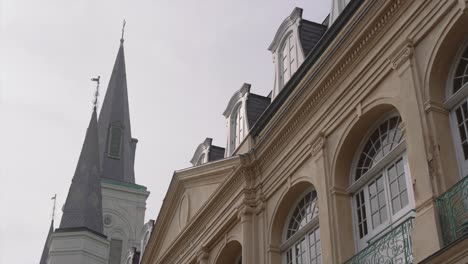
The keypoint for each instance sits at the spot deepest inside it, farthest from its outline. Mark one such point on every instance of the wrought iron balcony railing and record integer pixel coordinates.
(392, 248)
(453, 212)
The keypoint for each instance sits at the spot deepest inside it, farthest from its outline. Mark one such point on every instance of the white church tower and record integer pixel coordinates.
(103, 216)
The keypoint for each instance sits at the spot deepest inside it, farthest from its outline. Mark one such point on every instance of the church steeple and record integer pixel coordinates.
(117, 148)
(83, 207)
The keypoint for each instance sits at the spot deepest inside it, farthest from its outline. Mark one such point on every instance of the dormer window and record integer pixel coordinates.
(294, 40)
(288, 55)
(206, 152)
(115, 141)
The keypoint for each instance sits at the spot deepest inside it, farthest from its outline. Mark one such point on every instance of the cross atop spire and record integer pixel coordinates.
(123, 31)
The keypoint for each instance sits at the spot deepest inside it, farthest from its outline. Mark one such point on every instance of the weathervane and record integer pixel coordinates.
(96, 94)
(123, 30)
(53, 208)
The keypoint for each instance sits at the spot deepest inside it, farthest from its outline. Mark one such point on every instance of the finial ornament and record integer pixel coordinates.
(123, 31)
(53, 208)
(96, 94)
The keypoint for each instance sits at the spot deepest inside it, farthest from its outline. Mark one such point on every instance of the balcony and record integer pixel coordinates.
(453, 212)
(392, 248)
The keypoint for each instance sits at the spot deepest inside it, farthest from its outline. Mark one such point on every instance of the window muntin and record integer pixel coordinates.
(303, 233)
(460, 78)
(288, 59)
(383, 197)
(457, 102)
(381, 142)
(305, 211)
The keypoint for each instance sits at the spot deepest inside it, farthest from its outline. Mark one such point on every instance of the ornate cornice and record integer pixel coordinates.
(334, 75)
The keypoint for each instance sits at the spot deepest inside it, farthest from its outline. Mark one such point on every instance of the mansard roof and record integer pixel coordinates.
(256, 105)
(310, 34)
(83, 207)
(327, 38)
(115, 111)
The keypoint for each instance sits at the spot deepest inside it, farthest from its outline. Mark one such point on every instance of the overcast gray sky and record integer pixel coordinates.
(184, 61)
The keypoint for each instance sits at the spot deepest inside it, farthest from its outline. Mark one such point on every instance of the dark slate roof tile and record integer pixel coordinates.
(256, 105)
(216, 153)
(310, 34)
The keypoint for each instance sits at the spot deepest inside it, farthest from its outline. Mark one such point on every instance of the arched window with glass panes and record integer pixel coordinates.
(301, 243)
(380, 181)
(457, 103)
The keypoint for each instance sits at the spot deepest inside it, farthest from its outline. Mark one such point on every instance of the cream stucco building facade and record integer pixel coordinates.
(359, 155)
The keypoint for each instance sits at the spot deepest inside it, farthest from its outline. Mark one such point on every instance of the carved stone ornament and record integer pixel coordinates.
(318, 145)
(402, 56)
(107, 220)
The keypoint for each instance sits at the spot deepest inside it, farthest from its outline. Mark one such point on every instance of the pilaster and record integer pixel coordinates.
(246, 216)
(418, 146)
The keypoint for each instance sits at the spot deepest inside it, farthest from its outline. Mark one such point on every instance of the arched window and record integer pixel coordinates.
(288, 57)
(381, 183)
(457, 103)
(302, 233)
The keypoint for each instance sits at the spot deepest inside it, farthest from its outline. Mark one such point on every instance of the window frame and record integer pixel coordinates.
(291, 57)
(236, 127)
(379, 169)
(302, 233)
(453, 101)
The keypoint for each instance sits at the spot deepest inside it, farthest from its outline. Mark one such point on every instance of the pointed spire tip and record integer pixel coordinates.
(123, 32)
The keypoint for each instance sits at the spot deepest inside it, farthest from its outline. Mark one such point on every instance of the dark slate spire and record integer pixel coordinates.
(83, 207)
(45, 251)
(115, 138)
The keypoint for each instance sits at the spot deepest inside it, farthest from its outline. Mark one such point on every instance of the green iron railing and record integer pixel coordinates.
(392, 248)
(453, 212)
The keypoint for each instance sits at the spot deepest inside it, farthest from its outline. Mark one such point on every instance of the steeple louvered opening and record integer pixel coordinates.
(115, 141)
